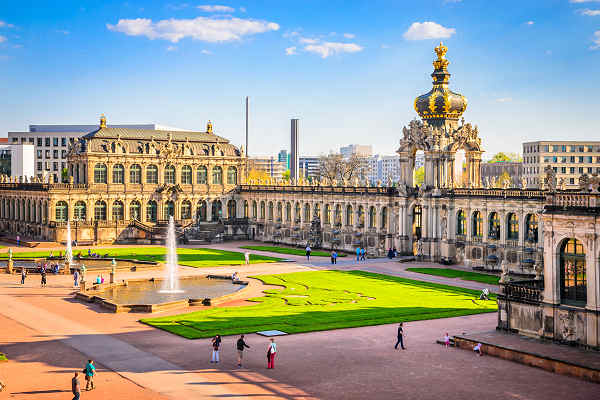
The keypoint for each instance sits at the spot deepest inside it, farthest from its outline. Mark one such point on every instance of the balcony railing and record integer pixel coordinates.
(530, 291)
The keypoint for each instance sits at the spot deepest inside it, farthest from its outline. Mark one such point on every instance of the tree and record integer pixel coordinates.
(506, 157)
(419, 176)
(65, 175)
(286, 175)
(334, 166)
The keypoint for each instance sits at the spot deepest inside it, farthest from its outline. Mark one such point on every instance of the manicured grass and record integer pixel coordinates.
(289, 250)
(3, 357)
(191, 257)
(453, 273)
(323, 300)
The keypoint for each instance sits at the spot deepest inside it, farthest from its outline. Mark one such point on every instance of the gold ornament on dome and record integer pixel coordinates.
(441, 62)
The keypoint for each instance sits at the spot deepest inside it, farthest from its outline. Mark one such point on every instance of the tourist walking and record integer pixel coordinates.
(308, 250)
(400, 340)
(76, 278)
(90, 373)
(447, 340)
(247, 257)
(23, 275)
(44, 282)
(333, 257)
(390, 254)
(241, 344)
(272, 350)
(76, 386)
(216, 343)
(358, 254)
(363, 253)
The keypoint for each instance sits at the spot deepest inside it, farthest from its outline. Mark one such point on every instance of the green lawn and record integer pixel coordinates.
(289, 250)
(191, 257)
(3, 357)
(323, 300)
(453, 273)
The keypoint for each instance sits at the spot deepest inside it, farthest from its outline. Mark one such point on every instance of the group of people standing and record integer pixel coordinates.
(241, 345)
(361, 254)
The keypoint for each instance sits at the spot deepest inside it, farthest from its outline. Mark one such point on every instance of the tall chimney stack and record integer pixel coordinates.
(294, 156)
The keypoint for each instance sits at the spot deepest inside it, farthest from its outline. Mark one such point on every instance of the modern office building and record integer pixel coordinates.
(310, 167)
(21, 160)
(362, 150)
(383, 168)
(568, 159)
(269, 165)
(294, 150)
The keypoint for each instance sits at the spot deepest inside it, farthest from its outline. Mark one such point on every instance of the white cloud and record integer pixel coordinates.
(308, 40)
(171, 48)
(206, 52)
(530, 22)
(504, 100)
(2, 39)
(596, 41)
(64, 32)
(5, 25)
(584, 1)
(205, 29)
(214, 8)
(289, 34)
(428, 30)
(589, 13)
(327, 49)
(290, 51)
(349, 35)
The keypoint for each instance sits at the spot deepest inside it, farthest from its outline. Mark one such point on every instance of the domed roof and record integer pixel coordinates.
(440, 102)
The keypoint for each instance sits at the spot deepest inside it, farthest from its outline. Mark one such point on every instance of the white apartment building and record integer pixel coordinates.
(362, 150)
(51, 143)
(383, 168)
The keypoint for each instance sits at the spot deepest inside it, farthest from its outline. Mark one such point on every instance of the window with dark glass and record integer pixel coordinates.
(186, 175)
(100, 173)
(573, 277)
(100, 211)
(217, 175)
(494, 226)
(118, 173)
(55, 141)
(461, 225)
(152, 174)
(151, 214)
(477, 224)
(170, 175)
(201, 175)
(512, 231)
(135, 174)
(117, 211)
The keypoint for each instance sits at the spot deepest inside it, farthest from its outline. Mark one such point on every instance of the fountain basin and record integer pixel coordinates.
(148, 295)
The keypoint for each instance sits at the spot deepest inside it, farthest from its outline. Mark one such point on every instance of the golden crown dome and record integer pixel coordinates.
(440, 102)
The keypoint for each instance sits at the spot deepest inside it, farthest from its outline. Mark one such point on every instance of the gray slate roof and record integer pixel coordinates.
(140, 134)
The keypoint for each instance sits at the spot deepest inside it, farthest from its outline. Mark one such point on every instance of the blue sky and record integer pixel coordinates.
(349, 69)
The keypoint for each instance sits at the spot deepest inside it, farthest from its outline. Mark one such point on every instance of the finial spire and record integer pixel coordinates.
(209, 128)
(102, 121)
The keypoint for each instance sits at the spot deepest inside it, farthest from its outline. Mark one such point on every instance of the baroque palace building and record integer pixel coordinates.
(124, 183)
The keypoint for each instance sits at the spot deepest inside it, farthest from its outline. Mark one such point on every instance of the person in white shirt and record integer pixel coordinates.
(308, 250)
(272, 350)
(247, 257)
(477, 349)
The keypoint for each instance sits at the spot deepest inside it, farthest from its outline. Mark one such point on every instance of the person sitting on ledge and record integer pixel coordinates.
(234, 277)
(98, 280)
(485, 293)
(89, 252)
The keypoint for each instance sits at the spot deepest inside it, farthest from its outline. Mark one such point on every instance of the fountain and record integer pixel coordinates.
(68, 251)
(171, 283)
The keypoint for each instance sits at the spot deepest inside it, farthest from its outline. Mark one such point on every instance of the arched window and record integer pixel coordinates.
(201, 210)
(186, 206)
(337, 215)
(270, 211)
(231, 209)
(417, 218)
(288, 212)
(372, 217)
(477, 225)
(317, 211)
(231, 176)
(461, 226)
(327, 214)
(349, 216)
(262, 210)
(169, 210)
(135, 210)
(118, 173)
(512, 226)
(384, 217)
(279, 212)
(100, 211)
(494, 226)
(152, 174)
(307, 212)
(186, 175)
(117, 211)
(151, 211)
(62, 211)
(254, 209)
(573, 284)
(135, 174)
(201, 174)
(297, 212)
(245, 208)
(531, 223)
(217, 175)
(100, 173)
(170, 175)
(217, 210)
(361, 216)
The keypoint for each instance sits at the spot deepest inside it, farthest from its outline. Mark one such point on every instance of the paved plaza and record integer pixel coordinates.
(48, 335)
